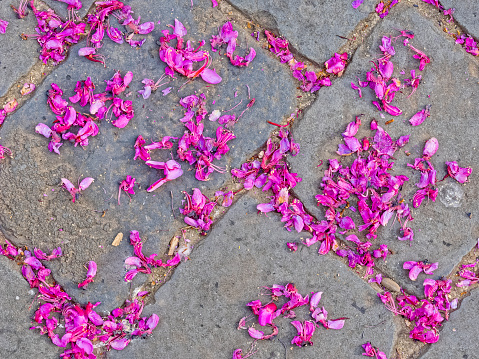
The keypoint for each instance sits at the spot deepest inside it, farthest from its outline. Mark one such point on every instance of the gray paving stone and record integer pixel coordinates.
(466, 14)
(442, 233)
(457, 338)
(25, 52)
(201, 305)
(311, 27)
(79, 227)
(16, 339)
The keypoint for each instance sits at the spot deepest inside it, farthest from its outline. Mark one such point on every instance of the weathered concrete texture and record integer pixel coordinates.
(16, 338)
(458, 338)
(32, 178)
(466, 14)
(24, 52)
(311, 27)
(443, 232)
(201, 305)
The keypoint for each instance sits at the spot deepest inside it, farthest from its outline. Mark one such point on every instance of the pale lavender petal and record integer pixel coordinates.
(356, 3)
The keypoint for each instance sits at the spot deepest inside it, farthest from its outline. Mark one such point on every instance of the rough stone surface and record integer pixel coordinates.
(209, 295)
(443, 233)
(457, 339)
(25, 52)
(81, 229)
(16, 338)
(466, 14)
(311, 27)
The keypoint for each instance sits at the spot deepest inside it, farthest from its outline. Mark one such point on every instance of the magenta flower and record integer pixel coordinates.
(140, 151)
(370, 351)
(10, 106)
(171, 169)
(417, 267)
(305, 332)
(75, 193)
(127, 186)
(5, 151)
(293, 246)
(117, 84)
(57, 252)
(460, 174)
(90, 54)
(336, 64)
(90, 274)
(356, 3)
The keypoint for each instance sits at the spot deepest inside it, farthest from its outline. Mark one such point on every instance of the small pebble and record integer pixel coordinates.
(390, 284)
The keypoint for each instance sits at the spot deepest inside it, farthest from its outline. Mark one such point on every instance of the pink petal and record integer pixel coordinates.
(210, 76)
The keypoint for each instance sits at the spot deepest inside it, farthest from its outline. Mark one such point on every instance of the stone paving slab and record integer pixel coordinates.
(311, 27)
(442, 233)
(80, 227)
(16, 338)
(207, 296)
(25, 52)
(458, 337)
(466, 14)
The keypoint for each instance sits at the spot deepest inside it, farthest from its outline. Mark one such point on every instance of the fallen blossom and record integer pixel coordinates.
(10, 106)
(75, 192)
(305, 332)
(92, 267)
(417, 267)
(460, 174)
(228, 37)
(171, 169)
(197, 210)
(5, 151)
(127, 186)
(469, 277)
(336, 64)
(370, 351)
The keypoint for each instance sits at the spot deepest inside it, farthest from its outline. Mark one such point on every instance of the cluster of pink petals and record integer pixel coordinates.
(99, 24)
(9, 107)
(382, 9)
(3, 26)
(92, 267)
(268, 312)
(310, 81)
(75, 192)
(54, 35)
(197, 209)
(460, 174)
(468, 44)
(182, 59)
(228, 36)
(127, 186)
(371, 351)
(381, 80)
(196, 148)
(141, 263)
(427, 314)
(83, 326)
(417, 267)
(336, 64)
(469, 276)
(68, 117)
(227, 197)
(441, 8)
(427, 183)
(369, 180)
